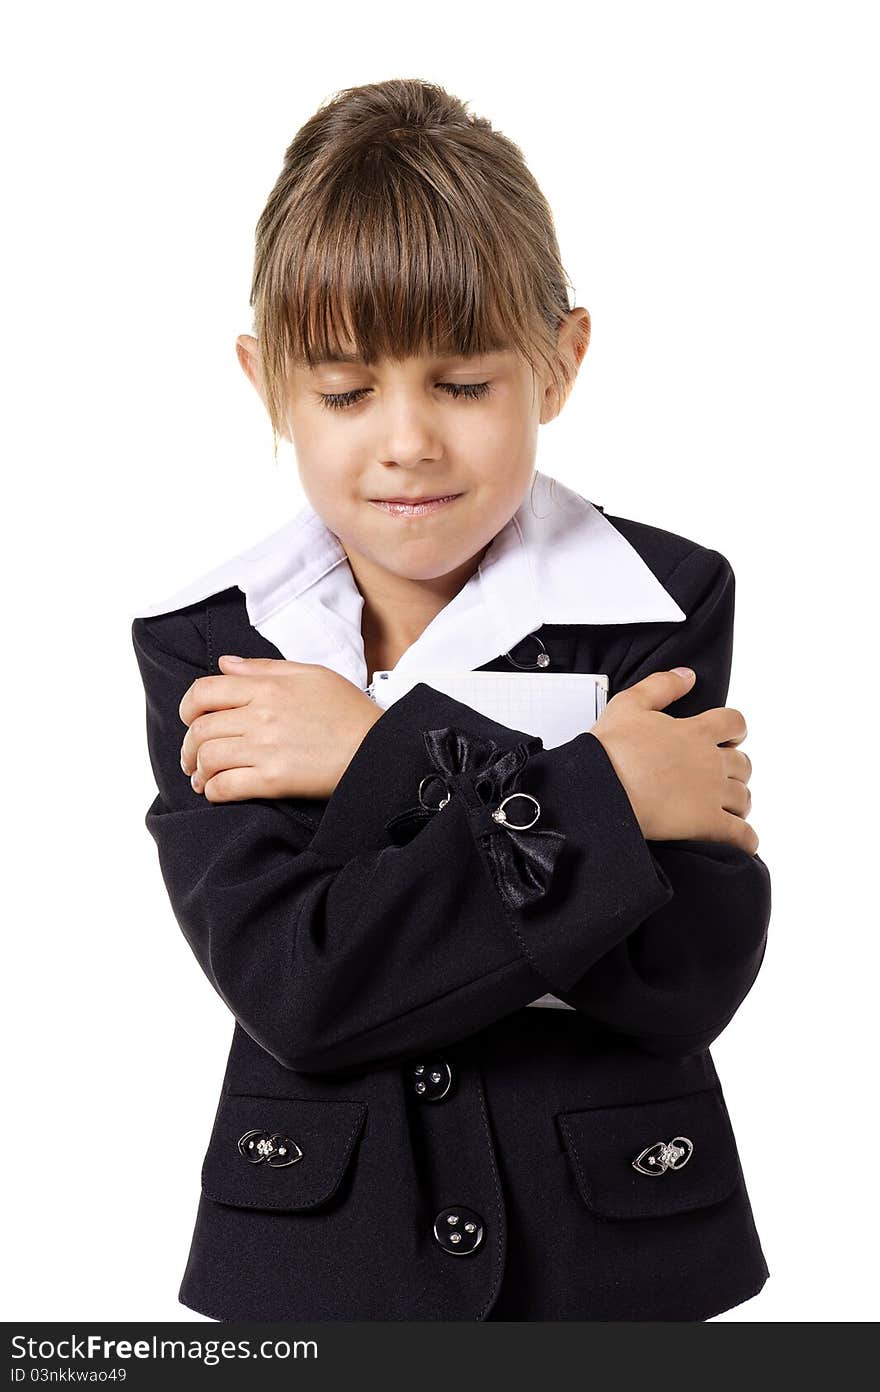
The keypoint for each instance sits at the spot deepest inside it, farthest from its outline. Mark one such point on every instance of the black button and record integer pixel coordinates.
(431, 1079)
(458, 1229)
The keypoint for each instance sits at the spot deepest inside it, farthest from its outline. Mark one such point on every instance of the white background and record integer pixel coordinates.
(712, 171)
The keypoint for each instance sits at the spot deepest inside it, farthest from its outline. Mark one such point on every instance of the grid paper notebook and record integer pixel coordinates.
(556, 706)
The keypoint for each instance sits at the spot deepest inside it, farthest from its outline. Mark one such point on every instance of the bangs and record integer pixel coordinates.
(388, 271)
(394, 277)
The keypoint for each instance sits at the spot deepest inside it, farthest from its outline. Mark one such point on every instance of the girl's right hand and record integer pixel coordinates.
(683, 775)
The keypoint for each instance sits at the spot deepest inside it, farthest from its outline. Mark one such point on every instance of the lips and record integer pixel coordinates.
(414, 507)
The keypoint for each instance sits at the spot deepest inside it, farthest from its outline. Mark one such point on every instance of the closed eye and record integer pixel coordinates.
(338, 401)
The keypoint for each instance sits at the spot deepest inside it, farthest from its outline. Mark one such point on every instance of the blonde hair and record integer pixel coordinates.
(408, 225)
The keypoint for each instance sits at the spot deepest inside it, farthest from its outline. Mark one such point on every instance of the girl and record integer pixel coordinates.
(470, 1074)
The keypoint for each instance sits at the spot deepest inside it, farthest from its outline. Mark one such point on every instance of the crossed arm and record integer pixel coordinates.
(335, 949)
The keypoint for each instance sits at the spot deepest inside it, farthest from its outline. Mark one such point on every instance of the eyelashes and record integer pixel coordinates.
(340, 401)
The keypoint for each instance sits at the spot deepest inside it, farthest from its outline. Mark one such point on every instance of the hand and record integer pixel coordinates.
(272, 729)
(681, 775)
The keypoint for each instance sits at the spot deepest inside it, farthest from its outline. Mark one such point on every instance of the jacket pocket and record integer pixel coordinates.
(650, 1159)
(280, 1152)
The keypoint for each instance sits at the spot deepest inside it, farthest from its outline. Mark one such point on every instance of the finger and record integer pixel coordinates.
(212, 694)
(736, 797)
(658, 689)
(737, 832)
(234, 785)
(214, 725)
(217, 755)
(725, 724)
(736, 763)
(255, 665)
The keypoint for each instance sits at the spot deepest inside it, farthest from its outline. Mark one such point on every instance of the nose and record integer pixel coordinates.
(409, 433)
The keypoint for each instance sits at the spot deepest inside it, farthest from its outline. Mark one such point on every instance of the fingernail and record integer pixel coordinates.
(233, 657)
(684, 671)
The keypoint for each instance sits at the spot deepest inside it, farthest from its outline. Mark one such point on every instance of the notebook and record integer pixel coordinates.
(556, 706)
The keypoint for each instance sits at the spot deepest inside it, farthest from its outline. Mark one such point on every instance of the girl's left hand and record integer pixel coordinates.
(272, 729)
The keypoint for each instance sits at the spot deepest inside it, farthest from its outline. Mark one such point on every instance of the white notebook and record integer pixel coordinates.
(557, 706)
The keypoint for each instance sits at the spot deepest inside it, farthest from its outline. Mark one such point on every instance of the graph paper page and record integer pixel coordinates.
(556, 706)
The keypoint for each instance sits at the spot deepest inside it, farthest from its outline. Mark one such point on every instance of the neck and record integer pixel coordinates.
(397, 610)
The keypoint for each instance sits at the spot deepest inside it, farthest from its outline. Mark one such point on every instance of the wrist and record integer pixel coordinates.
(360, 728)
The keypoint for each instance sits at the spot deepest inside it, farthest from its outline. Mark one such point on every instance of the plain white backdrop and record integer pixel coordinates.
(712, 172)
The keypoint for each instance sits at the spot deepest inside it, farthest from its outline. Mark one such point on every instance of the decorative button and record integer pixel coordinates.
(431, 1079)
(499, 815)
(542, 659)
(458, 1230)
(433, 807)
(275, 1149)
(656, 1159)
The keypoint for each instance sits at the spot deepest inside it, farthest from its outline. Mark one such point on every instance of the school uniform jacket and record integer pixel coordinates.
(470, 1074)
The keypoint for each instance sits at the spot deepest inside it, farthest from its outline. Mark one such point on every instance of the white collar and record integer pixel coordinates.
(566, 565)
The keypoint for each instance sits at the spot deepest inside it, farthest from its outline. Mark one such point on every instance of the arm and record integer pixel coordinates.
(336, 950)
(675, 982)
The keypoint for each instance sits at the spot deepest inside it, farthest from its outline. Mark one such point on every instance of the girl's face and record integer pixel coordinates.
(414, 428)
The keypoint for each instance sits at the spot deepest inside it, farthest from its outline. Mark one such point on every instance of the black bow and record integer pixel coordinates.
(521, 858)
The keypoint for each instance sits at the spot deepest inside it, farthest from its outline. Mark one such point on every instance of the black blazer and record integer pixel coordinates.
(397, 1136)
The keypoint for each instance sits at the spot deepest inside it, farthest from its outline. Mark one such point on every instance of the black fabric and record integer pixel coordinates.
(346, 956)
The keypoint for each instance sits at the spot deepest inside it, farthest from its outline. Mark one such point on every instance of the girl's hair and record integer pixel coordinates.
(411, 227)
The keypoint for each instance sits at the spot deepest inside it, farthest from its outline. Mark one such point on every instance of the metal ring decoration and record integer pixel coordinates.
(542, 660)
(656, 1159)
(430, 778)
(521, 858)
(499, 815)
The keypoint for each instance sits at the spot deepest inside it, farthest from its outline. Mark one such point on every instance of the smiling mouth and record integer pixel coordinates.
(415, 507)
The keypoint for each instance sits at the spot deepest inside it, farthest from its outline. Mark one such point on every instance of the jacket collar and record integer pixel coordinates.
(563, 563)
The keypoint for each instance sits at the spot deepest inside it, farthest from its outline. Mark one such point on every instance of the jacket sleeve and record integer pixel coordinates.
(676, 981)
(335, 949)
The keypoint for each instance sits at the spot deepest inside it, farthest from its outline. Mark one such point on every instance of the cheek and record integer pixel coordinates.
(315, 436)
(503, 429)
(329, 482)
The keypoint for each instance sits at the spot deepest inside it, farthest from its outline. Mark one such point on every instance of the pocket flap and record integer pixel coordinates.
(279, 1152)
(685, 1147)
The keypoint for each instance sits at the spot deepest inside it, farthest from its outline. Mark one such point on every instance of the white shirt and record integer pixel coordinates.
(564, 563)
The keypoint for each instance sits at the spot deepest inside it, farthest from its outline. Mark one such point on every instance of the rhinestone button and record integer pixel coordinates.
(431, 1079)
(662, 1156)
(523, 661)
(271, 1146)
(458, 1230)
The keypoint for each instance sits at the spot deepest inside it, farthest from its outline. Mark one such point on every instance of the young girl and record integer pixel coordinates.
(470, 1074)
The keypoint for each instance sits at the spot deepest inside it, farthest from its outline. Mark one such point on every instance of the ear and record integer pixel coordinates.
(573, 341)
(248, 354)
(247, 350)
(575, 333)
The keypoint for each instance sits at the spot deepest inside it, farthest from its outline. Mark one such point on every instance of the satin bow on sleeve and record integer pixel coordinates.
(521, 858)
